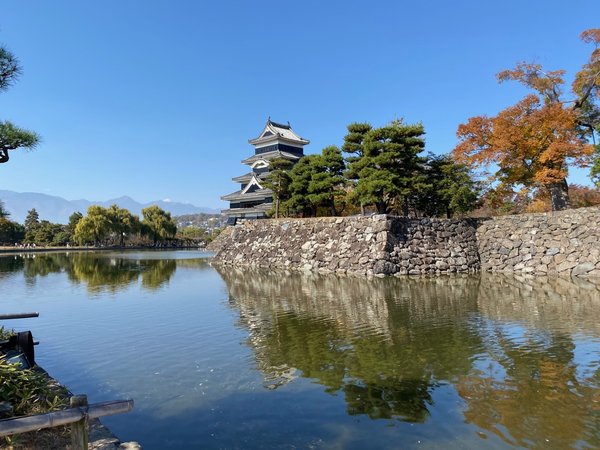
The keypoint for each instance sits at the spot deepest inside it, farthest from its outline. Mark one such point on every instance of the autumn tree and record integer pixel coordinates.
(533, 142)
(11, 136)
(278, 180)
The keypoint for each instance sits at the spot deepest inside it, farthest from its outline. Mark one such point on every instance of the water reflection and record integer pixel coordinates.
(100, 272)
(385, 345)
(522, 354)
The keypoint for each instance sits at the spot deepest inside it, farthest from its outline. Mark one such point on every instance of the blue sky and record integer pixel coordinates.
(157, 99)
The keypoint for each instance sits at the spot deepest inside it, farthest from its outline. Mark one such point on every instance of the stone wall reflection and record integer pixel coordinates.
(386, 344)
(523, 354)
(571, 304)
(541, 387)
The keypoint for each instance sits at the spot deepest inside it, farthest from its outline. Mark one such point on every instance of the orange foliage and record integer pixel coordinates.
(533, 142)
(499, 202)
(530, 142)
(587, 80)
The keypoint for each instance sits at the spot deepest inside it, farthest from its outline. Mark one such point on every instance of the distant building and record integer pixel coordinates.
(253, 201)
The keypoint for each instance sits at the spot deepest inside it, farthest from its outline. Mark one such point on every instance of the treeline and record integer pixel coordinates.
(100, 227)
(377, 169)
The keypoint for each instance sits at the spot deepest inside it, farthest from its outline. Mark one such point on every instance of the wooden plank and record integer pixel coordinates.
(64, 417)
(19, 316)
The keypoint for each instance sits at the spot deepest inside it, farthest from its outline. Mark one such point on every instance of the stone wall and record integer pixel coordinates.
(565, 243)
(375, 245)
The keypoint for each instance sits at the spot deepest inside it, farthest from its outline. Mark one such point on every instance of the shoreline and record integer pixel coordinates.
(19, 250)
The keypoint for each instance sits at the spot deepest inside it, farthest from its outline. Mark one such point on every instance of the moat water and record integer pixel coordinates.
(243, 359)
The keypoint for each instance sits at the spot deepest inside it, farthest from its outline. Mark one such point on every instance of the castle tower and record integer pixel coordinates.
(253, 201)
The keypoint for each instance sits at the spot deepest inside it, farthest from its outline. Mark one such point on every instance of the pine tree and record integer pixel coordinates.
(11, 136)
(390, 166)
(327, 178)
(278, 180)
(450, 189)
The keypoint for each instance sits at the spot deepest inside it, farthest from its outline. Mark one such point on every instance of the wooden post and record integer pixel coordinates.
(79, 429)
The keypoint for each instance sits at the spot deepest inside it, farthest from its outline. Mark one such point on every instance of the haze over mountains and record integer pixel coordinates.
(57, 209)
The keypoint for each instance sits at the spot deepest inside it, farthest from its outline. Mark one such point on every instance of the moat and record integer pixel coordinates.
(246, 358)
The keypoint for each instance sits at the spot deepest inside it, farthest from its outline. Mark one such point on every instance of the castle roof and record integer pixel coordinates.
(248, 176)
(274, 131)
(258, 194)
(271, 155)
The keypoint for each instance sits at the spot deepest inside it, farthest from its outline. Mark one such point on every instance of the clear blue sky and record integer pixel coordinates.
(157, 99)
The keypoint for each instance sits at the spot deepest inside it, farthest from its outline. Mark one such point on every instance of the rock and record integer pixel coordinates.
(583, 268)
(384, 268)
(6, 409)
(130, 446)
(565, 265)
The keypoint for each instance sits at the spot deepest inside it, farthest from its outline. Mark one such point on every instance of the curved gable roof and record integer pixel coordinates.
(273, 131)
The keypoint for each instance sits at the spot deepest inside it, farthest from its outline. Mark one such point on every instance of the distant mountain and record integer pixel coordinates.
(57, 209)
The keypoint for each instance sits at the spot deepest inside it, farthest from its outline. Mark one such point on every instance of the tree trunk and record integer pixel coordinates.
(277, 208)
(559, 195)
(381, 207)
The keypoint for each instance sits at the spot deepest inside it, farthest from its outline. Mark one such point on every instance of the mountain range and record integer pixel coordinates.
(57, 209)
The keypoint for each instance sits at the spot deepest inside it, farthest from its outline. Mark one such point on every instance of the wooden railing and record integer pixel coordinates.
(78, 415)
(19, 316)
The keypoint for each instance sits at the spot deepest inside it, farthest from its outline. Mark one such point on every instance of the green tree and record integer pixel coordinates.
(44, 233)
(4, 214)
(278, 180)
(298, 201)
(32, 219)
(390, 166)
(595, 170)
(354, 148)
(158, 224)
(450, 190)
(10, 232)
(9, 69)
(327, 180)
(93, 228)
(32, 222)
(122, 222)
(11, 136)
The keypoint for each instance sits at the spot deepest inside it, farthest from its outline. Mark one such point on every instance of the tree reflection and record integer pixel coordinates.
(510, 347)
(371, 340)
(535, 391)
(99, 272)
